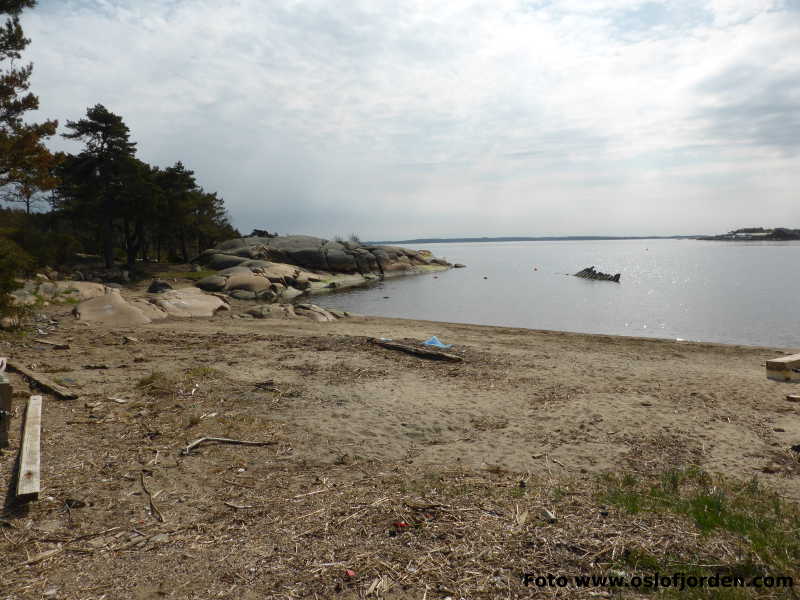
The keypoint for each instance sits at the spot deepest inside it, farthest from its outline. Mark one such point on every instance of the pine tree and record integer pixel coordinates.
(94, 180)
(26, 165)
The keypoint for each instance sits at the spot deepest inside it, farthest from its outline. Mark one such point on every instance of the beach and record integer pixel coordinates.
(357, 434)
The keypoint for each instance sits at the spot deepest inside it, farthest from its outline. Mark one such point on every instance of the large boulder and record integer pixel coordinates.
(190, 302)
(247, 281)
(313, 312)
(110, 309)
(219, 261)
(212, 283)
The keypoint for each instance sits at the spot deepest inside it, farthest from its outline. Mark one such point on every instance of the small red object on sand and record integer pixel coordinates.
(349, 573)
(400, 524)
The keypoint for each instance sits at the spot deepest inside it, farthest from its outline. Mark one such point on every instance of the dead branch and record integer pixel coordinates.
(219, 440)
(153, 508)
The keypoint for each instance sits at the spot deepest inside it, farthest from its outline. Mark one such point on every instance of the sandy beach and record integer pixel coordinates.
(360, 437)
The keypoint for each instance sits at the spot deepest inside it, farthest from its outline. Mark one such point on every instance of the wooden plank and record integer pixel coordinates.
(43, 382)
(28, 481)
(5, 409)
(784, 363)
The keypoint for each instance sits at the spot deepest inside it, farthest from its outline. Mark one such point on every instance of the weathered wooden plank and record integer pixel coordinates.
(784, 363)
(29, 480)
(5, 409)
(42, 381)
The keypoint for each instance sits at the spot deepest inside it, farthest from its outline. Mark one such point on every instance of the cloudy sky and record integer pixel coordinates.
(412, 118)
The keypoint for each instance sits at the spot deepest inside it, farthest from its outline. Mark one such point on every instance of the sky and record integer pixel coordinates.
(400, 119)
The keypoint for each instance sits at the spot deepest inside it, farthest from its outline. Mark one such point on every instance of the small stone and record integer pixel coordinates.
(9, 323)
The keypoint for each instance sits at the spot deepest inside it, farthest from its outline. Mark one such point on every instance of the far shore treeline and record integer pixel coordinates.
(102, 200)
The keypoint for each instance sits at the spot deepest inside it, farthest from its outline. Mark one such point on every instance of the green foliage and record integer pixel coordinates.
(26, 165)
(13, 262)
(104, 200)
(130, 205)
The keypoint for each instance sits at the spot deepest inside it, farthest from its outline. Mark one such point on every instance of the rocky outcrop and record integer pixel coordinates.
(113, 310)
(315, 254)
(278, 268)
(590, 273)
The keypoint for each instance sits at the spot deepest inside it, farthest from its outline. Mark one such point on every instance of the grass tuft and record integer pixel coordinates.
(761, 525)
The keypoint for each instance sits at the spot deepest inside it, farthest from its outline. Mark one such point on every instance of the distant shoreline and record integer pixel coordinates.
(567, 238)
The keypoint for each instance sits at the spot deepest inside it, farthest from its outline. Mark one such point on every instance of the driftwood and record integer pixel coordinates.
(28, 481)
(43, 382)
(219, 440)
(421, 352)
(153, 508)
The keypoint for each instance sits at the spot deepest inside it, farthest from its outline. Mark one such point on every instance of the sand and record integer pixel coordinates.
(529, 404)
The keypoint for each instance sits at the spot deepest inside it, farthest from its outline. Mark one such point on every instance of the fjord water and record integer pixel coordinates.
(729, 292)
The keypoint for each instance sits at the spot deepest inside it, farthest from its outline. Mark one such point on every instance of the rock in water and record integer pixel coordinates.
(590, 273)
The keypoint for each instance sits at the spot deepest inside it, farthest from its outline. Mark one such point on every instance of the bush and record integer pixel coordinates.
(14, 262)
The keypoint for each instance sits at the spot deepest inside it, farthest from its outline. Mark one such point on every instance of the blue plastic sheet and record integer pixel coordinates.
(434, 341)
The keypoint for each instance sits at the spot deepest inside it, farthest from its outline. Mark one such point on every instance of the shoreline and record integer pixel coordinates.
(778, 349)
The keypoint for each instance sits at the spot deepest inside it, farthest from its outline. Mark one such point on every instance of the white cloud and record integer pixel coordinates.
(413, 118)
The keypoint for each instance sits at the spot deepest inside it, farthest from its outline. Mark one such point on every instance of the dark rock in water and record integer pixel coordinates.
(459, 266)
(590, 273)
(158, 286)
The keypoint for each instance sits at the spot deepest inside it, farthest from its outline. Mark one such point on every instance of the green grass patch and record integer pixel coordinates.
(761, 527)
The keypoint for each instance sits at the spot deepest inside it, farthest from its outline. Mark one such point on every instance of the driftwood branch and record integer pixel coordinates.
(43, 382)
(421, 352)
(219, 440)
(56, 345)
(153, 508)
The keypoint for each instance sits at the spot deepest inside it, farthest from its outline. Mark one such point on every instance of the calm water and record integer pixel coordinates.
(743, 293)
